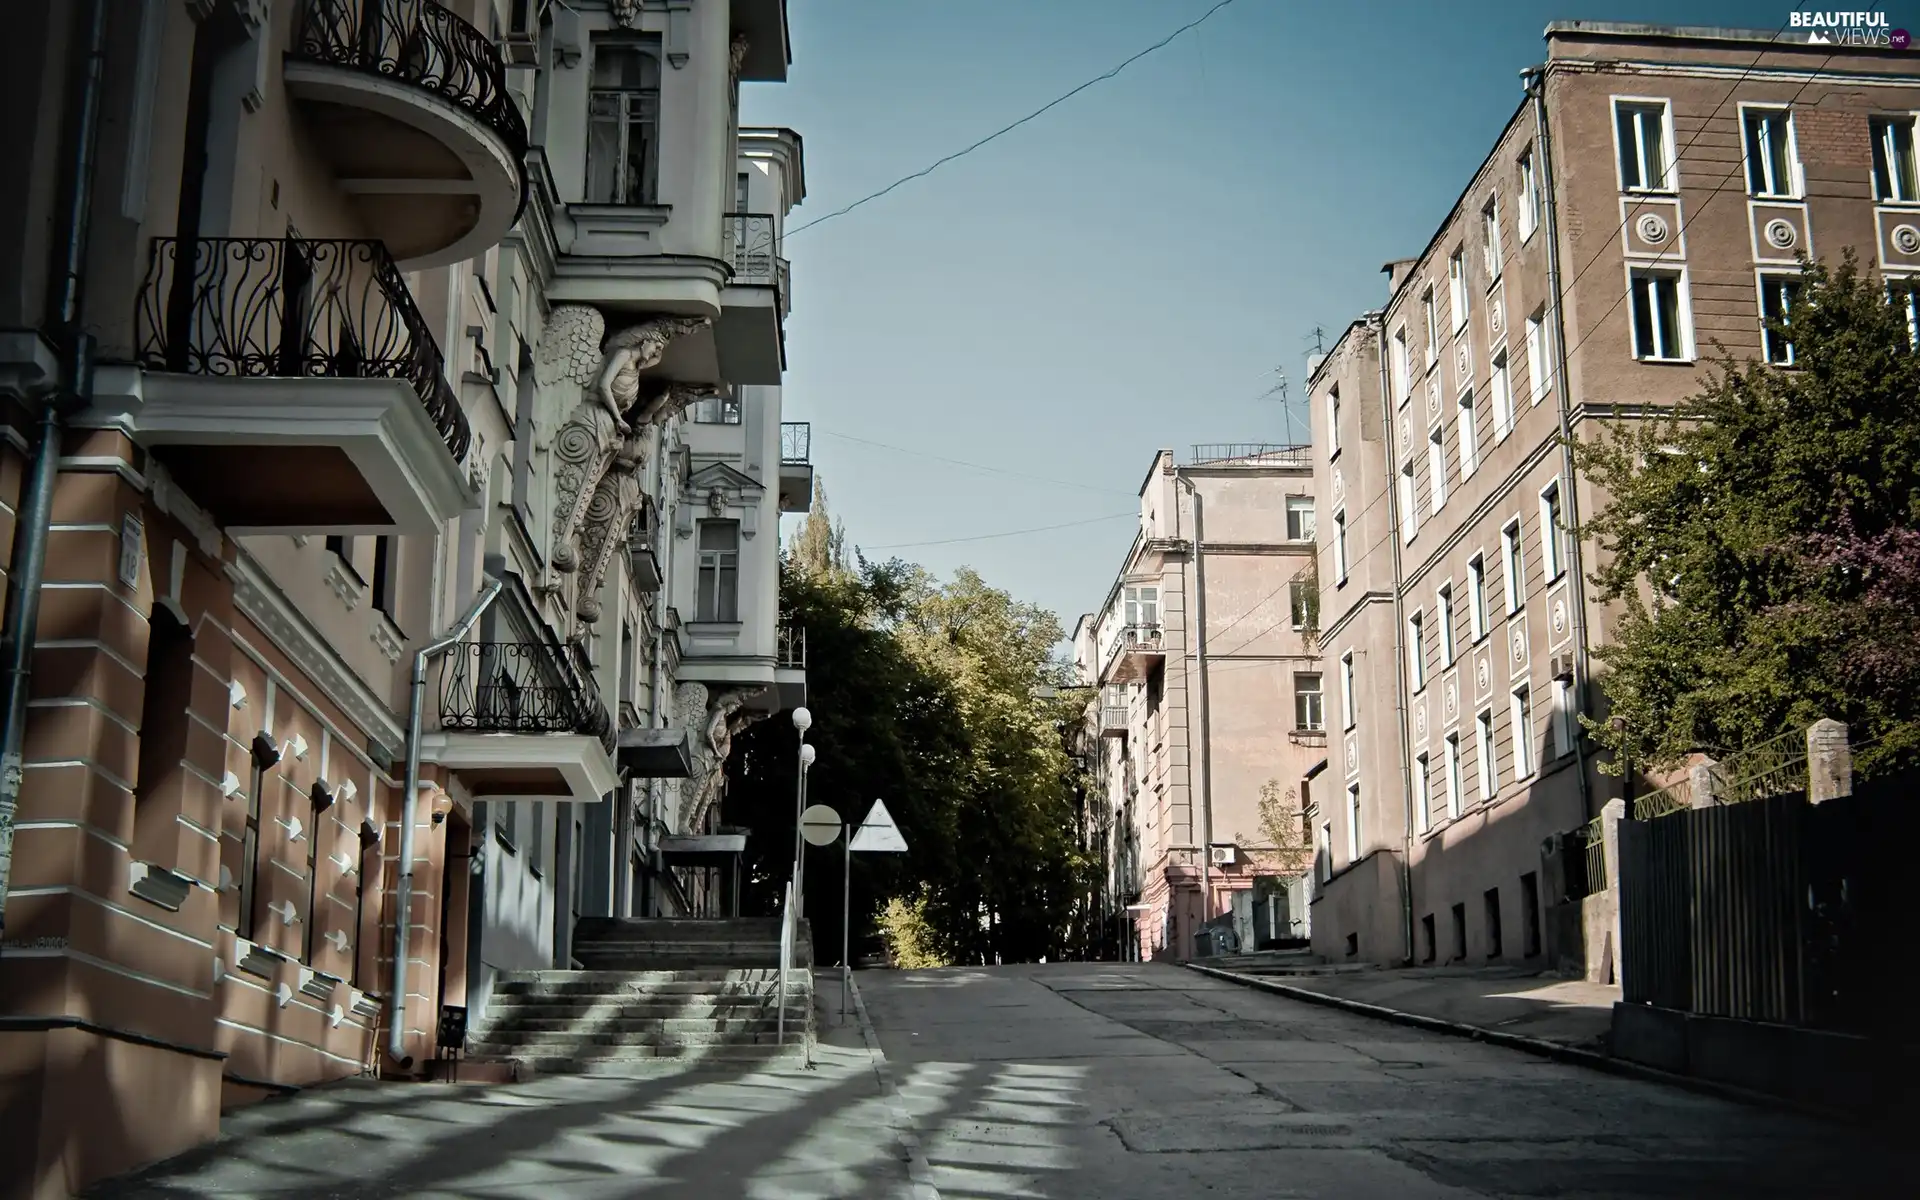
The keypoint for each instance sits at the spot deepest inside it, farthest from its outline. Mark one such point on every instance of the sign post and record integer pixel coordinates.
(876, 835)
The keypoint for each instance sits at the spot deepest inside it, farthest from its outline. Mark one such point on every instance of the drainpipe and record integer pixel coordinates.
(1201, 753)
(1536, 85)
(410, 807)
(1379, 324)
(664, 550)
(74, 390)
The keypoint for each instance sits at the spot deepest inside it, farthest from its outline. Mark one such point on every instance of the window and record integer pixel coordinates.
(1521, 713)
(1469, 434)
(1563, 730)
(1300, 603)
(1477, 597)
(1457, 288)
(1142, 605)
(1777, 296)
(623, 125)
(1492, 900)
(1333, 420)
(1490, 238)
(1513, 559)
(1530, 917)
(723, 409)
(741, 193)
(1417, 650)
(1894, 177)
(1309, 710)
(719, 594)
(250, 852)
(1453, 783)
(506, 826)
(1443, 618)
(382, 588)
(1459, 932)
(1771, 169)
(1426, 930)
(1502, 398)
(1658, 330)
(1904, 295)
(1483, 749)
(1422, 796)
(1409, 508)
(1539, 374)
(1324, 853)
(1644, 162)
(1432, 319)
(1340, 545)
(1353, 822)
(579, 857)
(1300, 518)
(1398, 367)
(537, 839)
(1346, 690)
(1529, 215)
(1437, 467)
(1553, 556)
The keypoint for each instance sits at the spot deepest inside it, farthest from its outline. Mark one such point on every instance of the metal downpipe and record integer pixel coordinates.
(1395, 517)
(409, 813)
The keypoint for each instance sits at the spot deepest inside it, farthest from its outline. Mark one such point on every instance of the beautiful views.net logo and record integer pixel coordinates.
(1849, 29)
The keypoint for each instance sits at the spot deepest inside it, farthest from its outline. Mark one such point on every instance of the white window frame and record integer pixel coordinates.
(717, 568)
(1486, 751)
(1539, 367)
(1409, 503)
(1520, 720)
(1467, 425)
(1786, 288)
(1563, 724)
(1682, 336)
(1553, 549)
(1326, 851)
(1400, 366)
(1353, 822)
(1457, 288)
(1422, 812)
(1340, 544)
(1880, 127)
(1348, 717)
(1501, 385)
(1140, 606)
(1766, 187)
(1529, 214)
(1513, 564)
(1669, 182)
(1443, 619)
(1432, 316)
(1437, 467)
(1455, 783)
(1318, 718)
(1417, 651)
(1301, 505)
(1477, 596)
(1333, 421)
(1490, 239)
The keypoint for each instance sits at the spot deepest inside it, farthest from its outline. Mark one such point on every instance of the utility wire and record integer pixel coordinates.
(1006, 129)
(982, 537)
(974, 466)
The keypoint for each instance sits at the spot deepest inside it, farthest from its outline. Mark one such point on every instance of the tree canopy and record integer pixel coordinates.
(1763, 542)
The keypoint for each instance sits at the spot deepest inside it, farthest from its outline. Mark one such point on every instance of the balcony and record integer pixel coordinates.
(410, 107)
(522, 720)
(790, 665)
(292, 386)
(749, 337)
(643, 567)
(796, 466)
(1135, 651)
(1250, 454)
(1113, 721)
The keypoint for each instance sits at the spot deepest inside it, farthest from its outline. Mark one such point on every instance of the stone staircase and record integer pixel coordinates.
(652, 990)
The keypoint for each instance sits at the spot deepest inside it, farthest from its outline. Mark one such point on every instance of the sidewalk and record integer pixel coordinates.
(1503, 1002)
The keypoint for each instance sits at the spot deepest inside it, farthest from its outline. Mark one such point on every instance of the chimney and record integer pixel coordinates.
(1397, 272)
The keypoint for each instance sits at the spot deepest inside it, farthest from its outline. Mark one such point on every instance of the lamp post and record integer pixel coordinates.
(802, 721)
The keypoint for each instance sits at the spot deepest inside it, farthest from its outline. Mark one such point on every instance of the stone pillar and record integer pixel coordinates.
(1705, 780)
(1614, 812)
(1829, 761)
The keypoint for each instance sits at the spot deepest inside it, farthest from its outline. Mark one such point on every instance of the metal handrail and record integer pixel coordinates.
(1252, 453)
(790, 653)
(753, 247)
(788, 935)
(518, 687)
(796, 442)
(292, 308)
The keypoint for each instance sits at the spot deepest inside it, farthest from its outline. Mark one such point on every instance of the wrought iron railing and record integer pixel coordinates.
(796, 441)
(753, 249)
(292, 308)
(520, 687)
(1252, 453)
(791, 654)
(1776, 767)
(423, 45)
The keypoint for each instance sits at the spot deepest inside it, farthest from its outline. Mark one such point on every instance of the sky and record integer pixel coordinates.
(1125, 272)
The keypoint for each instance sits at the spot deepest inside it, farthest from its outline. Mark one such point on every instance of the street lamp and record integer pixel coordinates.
(802, 721)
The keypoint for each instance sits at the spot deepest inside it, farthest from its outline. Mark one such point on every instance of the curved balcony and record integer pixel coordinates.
(292, 385)
(410, 105)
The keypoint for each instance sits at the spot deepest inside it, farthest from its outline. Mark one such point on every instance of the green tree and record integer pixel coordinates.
(1760, 542)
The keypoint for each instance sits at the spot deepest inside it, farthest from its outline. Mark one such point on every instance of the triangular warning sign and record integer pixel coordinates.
(878, 832)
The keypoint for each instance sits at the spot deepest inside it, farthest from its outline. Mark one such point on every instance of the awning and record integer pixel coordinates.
(655, 753)
(695, 848)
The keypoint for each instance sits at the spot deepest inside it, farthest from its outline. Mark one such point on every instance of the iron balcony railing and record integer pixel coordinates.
(423, 45)
(753, 248)
(520, 687)
(796, 441)
(1258, 454)
(791, 653)
(291, 308)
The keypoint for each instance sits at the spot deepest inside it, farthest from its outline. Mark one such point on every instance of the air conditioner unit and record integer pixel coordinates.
(1223, 856)
(521, 45)
(1562, 666)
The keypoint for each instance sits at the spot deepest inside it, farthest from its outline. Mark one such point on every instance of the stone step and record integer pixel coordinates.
(619, 1025)
(569, 1041)
(662, 928)
(643, 975)
(643, 1004)
(640, 1063)
(570, 994)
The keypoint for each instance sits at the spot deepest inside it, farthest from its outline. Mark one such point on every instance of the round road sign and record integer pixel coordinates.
(820, 825)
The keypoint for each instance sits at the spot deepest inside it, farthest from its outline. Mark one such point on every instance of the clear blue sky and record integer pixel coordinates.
(1120, 274)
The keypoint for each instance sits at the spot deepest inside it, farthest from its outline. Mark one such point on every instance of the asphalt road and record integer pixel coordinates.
(1066, 1081)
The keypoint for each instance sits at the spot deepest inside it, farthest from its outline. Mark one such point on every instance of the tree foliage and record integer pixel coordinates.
(1761, 542)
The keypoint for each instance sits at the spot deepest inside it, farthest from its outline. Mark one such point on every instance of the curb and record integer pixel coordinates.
(1558, 1051)
(918, 1172)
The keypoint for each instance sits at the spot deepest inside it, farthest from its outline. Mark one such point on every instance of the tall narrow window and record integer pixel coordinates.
(1502, 398)
(1409, 508)
(1553, 557)
(1539, 373)
(623, 125)
(1437, 466)
(384, 575)
(1522, 717)
(1457, 288)
(1894, 177)
(1399, 368)
(1514, 562)
(537, 839)
(1443, 618)
(1353, 822)
(1300, 603)
(1644, 162)
(1453, 780)
(1300, 518)
(1417, 651)
(250, 852)
(1308, 704)
(1778, 293)
(719, 594)
(1564, 729)
(1141, 606)
(1770, 152)
(1432, 319)
(1346, 690)
(1659, 332)
(1490, 238)
(1423, 793)
(1529, 215)
(1483, 749)
(1333, 420)
(1323, 851)
(1340, 545)
(1477, 597)
(1469, 434)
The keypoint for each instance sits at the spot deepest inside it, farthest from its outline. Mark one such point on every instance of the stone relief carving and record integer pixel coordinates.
(716, 716)
(736, 56)
(626, 13)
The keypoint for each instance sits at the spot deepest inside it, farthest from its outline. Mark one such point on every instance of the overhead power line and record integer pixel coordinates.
(982, 537)
(972, 466)
(1006, 129)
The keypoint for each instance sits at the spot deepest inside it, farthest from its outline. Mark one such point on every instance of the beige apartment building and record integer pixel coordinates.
(391, 487)
(1207, 688)
(1646, 203)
